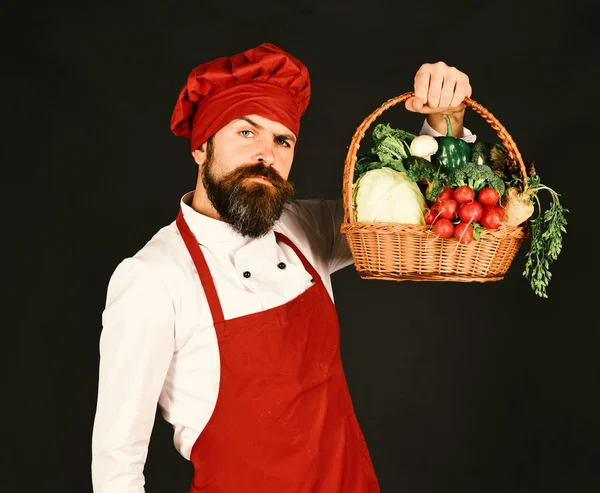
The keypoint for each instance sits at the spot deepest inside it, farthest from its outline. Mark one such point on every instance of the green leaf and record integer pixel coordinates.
(546, 244)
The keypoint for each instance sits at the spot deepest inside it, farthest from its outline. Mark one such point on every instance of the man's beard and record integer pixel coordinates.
(251, 208)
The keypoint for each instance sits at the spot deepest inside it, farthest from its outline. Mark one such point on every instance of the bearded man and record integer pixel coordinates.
(225, 318)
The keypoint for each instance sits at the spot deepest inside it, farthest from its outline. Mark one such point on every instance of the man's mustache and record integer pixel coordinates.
(260, 170)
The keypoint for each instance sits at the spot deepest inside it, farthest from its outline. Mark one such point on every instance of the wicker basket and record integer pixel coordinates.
(407, 252)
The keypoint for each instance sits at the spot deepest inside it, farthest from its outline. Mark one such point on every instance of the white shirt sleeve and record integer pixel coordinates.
(340, 255)
(467, 135)
(322, 220)
(136, 346)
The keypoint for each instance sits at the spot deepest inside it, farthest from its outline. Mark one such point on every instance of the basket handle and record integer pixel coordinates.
(360, 132)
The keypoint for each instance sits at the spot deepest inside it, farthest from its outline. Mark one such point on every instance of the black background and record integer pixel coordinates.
(458, 387)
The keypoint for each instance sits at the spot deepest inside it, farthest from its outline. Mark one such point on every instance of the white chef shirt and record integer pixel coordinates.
(158, 342)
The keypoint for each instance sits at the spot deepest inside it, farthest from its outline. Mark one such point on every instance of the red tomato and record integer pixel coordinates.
(470, 212)
(488, 196)
(448, 208)
(491, 216)
(463, 194)
(443, 228)
(463, 232)
(446, 193)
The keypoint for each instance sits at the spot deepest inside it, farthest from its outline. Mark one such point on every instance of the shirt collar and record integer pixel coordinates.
(213, 232)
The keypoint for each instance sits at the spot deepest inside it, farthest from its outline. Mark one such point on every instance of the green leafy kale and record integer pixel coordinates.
(477, 176)
(383, 130)
(368, 161)
(391, 144)
(502, 164)
(390, 147)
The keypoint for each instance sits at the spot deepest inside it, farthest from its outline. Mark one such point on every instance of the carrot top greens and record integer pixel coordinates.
(547, 231)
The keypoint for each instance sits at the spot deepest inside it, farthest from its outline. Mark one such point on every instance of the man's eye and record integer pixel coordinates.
(246, 133)
(283, 142)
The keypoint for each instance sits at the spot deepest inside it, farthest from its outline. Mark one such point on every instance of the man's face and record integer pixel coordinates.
(244, 172)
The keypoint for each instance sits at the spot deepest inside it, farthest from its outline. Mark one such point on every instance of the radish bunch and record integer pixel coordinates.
(457, 212)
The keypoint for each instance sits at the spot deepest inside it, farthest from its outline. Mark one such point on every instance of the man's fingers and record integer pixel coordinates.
(439, 88)
(435, 89)
(416, 105)
(422, 82)
(448, 90)
(461, 91)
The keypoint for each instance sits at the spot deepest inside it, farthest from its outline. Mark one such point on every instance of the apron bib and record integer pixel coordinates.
(283, 421)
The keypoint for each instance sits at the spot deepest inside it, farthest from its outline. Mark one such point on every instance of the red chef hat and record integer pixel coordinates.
(264, 81)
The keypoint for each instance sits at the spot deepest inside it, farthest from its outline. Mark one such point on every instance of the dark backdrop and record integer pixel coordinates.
(459, 387)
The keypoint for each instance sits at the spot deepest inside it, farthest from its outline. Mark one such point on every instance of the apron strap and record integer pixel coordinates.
(204, 272)
(307, 265)
(202, 267)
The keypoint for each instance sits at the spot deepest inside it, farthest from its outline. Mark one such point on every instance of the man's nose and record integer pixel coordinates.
(265, 153)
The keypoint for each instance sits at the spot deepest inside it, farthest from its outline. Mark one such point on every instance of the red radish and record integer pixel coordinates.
(470, 212)
(463, 232)
(432, 214)
(491, 216)
(463, 194)
(488, 196)
(446, 193)
(448, 208)
(443, 228)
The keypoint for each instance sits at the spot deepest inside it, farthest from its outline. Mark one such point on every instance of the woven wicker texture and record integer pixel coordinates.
(406, 252)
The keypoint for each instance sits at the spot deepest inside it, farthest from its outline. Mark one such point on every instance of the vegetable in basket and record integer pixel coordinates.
(476, 176)
(387, 195)
(421, 170)
(495, 155)
(424, 146)
(480, 152)
(486, 167)
(492, 154)
(519, 202)
(390, 147)
(452, 152)
(547, 229)
(391, 144)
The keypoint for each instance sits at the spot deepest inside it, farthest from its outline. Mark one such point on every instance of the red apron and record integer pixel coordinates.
(283, 420)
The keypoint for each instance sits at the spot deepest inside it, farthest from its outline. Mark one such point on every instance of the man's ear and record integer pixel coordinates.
(199, 155)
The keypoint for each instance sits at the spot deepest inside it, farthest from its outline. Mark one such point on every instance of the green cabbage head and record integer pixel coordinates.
(387, 195)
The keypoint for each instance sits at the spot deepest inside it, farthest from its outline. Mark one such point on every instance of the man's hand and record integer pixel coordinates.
(440, 89)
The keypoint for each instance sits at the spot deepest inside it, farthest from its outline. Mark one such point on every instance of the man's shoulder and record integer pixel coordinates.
(310, 210)
(161, 255)
(161, 265)
(302, 214)
(314, 221)
(164, 248)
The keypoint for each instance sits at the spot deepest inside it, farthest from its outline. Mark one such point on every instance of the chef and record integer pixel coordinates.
(226, 317)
